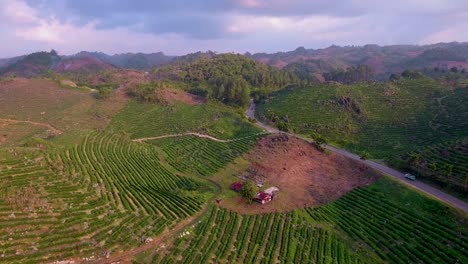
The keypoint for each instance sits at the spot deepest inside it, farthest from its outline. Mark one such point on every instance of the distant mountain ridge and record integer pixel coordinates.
(308, 63)
(137, 61)
(383, 59)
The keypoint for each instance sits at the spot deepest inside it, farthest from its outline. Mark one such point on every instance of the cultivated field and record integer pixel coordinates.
(227, 237)
(204, 157)
(103, 195)
(369, 225)
(154, 120)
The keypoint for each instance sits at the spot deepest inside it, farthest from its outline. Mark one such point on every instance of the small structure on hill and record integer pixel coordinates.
(263, 197)
(236, 186)
(266, 195)
(272, 190)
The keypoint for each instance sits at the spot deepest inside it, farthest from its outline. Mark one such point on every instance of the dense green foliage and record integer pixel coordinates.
(151, 120)
(249, 190)
(227, 237)
(229, 78)
(101, 195)
(204, 157)
(31, 65)
(399, 225)
(360, 73)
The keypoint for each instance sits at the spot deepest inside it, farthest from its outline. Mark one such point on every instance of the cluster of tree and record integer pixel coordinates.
(145, 92)
(282, 123)
(451, 76)
(306, 70)
(432, 170)
(34, 64)
(231, 90)
(360, 73)
(228, 77)
(407, 74)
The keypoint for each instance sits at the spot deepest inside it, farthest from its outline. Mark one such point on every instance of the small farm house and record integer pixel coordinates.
(266, 195)
(263, 197)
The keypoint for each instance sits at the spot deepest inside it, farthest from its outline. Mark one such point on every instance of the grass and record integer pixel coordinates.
(44, 101)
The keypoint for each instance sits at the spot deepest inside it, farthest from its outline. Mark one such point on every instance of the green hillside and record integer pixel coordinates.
(386, 120)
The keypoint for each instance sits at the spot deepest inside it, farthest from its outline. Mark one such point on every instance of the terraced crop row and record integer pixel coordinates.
(203, 156)
(103, 195)
(444, 162)
(153, 120)
(395, 232)
(227, 237)
(385, 119)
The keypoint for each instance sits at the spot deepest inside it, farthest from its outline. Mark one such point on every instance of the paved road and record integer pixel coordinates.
(433, 192)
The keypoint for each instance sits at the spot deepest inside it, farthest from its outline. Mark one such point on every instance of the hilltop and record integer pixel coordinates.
(383, 59)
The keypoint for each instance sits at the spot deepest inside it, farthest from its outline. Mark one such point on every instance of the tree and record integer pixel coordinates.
(394, 77)
(319, 141)
(104, 93)
(365, 155)
(283, 126)
(249, 190)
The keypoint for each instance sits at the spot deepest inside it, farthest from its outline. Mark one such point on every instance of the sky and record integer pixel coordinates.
(177, 27)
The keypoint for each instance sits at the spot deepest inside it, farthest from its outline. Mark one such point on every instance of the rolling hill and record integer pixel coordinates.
(383, 59)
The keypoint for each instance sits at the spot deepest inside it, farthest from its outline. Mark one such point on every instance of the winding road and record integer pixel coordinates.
(427, 189)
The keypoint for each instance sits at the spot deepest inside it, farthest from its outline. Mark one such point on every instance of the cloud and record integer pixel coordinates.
(178, 27)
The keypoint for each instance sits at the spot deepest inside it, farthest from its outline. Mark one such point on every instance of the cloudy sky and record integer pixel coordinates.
(181, 26)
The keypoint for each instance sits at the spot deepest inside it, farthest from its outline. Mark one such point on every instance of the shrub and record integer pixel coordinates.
(249, 190)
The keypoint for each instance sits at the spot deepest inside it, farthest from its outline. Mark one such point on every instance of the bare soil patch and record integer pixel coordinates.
(305, 176)
(42, 102)
(172, 95)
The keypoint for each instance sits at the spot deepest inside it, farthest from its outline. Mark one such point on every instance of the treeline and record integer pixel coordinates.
(229, 78)
(360, 73)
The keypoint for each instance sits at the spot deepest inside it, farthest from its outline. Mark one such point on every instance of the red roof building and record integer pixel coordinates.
(236, 186)
(263, 197)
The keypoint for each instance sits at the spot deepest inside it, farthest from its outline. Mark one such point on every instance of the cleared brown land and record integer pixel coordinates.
(304, 175)
(45, 102)
(172, 95)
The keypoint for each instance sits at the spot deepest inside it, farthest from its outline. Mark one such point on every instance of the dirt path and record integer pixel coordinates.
(194, 134)
(183, 134)
(127, 256)
(431, 191)
(52, 129)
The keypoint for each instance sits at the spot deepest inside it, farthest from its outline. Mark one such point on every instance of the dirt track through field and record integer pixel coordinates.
(52, 129)
(429, 190)
(193, 134)
(127, 256)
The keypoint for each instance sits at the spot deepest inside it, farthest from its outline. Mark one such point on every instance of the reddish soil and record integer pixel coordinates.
(172, 95)
(304, 175)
